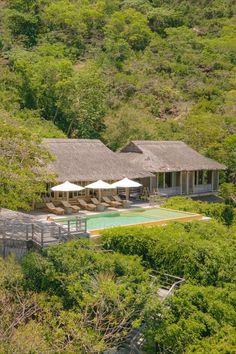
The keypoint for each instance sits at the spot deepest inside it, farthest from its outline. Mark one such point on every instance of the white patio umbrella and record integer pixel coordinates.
(99, 185)
(67, 187)
(127, 184)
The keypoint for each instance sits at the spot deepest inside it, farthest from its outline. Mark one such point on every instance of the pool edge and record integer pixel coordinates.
(96, 232)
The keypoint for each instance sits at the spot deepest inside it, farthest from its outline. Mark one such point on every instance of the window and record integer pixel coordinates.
(160, 180)
(168, 180)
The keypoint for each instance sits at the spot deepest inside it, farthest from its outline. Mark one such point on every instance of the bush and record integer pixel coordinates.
(219, 211)
(202, 252)
(101, 295)
(227, 191)
(193, 317)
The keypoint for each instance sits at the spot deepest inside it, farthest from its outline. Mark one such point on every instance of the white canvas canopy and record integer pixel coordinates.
(126, 183)
(99, 185)
(67, 187)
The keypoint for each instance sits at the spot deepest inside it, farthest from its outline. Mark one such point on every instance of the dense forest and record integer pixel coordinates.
(118, 70)
(115, 70)
(79, 297)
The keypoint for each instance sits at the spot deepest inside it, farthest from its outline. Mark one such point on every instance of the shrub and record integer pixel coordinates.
(219, 211)
(194, 317)
(202, 252)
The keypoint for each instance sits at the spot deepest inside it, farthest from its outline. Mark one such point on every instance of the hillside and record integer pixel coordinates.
(120, 70)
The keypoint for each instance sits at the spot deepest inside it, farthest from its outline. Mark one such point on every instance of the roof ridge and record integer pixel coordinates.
(157, 141)
(67, 140)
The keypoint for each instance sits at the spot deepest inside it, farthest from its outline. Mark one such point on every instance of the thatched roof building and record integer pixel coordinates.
(172, 167)
(165, 156)
(89, 160)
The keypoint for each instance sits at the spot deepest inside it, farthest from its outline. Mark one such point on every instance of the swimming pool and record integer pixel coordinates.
(140, 216)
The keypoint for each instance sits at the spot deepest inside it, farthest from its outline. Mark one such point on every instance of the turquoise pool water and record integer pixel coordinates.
(131, 217)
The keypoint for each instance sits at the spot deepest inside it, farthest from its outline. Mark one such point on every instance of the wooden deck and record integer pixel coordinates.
(17, 236)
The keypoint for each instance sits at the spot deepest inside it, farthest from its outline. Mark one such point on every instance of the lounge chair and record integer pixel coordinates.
(86, 206)
(117, 198)
(125, 203)
(112, 203)
(99, 205)
(55, 210)
(96, 202)
(74, 208)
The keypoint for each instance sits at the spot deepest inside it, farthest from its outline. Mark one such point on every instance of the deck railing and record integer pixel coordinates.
(78, 224)
(166, 281)
(39, 233)
(202, 188)
(170, 190)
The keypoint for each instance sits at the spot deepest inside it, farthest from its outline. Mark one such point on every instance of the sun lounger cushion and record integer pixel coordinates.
(87, 206)
(55, 210)
(74, 208)
(111, 202)
(95, 201)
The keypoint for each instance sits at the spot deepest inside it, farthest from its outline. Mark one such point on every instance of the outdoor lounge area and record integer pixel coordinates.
(100, 203)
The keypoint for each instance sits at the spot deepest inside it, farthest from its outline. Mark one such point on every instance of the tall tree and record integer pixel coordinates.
(22, 164)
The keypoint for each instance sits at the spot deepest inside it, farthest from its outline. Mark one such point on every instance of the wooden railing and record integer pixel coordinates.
(78, 224)
(202, 188)
(170, 190)
(167, 282)
(39, 233)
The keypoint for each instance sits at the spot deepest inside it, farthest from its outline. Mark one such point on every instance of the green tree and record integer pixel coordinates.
(193, 318)
(161, 18)
(102, 295)
(64, 24)
(131, 26)
(230, 158)
(23, 160)
(228, 192)
(47, 84)
(202, 253)
(128, 124)
(90, 103)
(23, 20)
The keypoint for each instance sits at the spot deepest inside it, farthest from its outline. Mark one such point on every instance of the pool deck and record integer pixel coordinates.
(43, 216)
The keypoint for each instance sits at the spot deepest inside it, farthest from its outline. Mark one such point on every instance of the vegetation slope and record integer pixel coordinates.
(120, 70)
(71, 298)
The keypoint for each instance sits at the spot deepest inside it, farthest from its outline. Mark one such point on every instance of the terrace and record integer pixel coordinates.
(21, 231)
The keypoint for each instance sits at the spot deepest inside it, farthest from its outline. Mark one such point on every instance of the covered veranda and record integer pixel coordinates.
(172, 183)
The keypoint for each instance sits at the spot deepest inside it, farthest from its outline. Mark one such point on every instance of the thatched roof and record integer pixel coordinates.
(10, 216)
(89, 160)
(164, 156)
